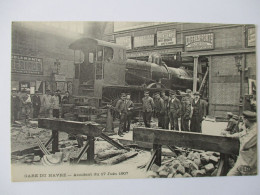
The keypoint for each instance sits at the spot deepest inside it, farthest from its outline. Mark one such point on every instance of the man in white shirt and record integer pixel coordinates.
(46, 103)
(55, 104)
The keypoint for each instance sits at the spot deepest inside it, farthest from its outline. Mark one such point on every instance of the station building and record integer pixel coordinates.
(40, 57)
(225, 53)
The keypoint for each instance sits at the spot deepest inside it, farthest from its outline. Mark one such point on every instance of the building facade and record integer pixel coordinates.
(207, 49)
(41, 58)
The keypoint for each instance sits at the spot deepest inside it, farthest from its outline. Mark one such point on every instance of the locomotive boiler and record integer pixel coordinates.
(105, 72)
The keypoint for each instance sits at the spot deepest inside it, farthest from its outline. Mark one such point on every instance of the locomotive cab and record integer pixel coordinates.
(104, 64)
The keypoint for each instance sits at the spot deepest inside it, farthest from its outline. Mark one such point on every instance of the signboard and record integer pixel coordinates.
(145, 40)
(148, 53)
(125, 41)
(251, 37)
(59, 77)
(26, 64)
(166, 37)
(199, 42)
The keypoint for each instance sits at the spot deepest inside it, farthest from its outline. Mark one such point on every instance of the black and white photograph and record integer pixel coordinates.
(128, 100)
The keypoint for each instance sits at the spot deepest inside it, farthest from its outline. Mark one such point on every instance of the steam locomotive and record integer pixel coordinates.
(105, 72)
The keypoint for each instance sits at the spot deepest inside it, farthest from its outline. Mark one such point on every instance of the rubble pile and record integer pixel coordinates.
(187, 164)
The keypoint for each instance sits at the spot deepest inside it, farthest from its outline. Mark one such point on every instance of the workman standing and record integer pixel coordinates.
(166, 119)
(159, 109)
(27, 103)
(67, 99)
(129, 108)
(15, 105)
(148, 106)
(185, 112)
(46, 103)
(174, 110)
(198, 113)
(55, 105)
(246, 163)
(36, 102)
(122, 110)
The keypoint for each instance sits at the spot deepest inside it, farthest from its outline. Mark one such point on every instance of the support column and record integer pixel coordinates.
(55, 142)
(90, 151)
(158, 158)
(195, 73)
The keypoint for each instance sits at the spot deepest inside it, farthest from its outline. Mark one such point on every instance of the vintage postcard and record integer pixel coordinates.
(121, 100)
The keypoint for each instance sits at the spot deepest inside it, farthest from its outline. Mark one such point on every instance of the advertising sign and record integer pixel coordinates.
(145, 40)
(199, 42)
(166, 37)
(26, 64)
(251, 37)
(125, 41)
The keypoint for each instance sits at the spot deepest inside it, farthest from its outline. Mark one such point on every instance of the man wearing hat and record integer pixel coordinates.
(165, 114)
(129, 108)
(36, 102)
(246, 163)
(185, 112)
(159, 109)
(198, 113)
(27, 103)
(15, 105)
(174, 110)
(122, 110)
(148, 106)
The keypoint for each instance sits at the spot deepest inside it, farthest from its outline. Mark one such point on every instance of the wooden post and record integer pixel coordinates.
(195, 73)
(90, 150)
(55, 142)
(158, 158)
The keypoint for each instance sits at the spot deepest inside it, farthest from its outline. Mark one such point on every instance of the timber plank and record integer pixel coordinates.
(226, 145)
(71, 127)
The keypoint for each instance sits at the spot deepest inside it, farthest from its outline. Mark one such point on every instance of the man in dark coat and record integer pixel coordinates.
(166, 119)
(148, 106)
(198, 113)
(129, 108)
(159, 109)
(36, 102)
(185, 112)
(122, 110)
(174, 110)
(15, 105)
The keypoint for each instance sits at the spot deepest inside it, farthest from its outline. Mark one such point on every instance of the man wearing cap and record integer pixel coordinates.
(198, 113)
(246, 163)
(36, 102)
(15, 105)
(165, 114)
(174, 108)
(46, 102)
(159, 109)
(129, 108)
(148, 106)
(185, 112)
(122, 110)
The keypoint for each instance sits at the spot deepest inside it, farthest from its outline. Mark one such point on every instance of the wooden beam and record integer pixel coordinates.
(71, 127)
(226, 145)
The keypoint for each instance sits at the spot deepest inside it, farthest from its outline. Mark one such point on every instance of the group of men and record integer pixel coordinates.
(172, 111)
(169, 110)
(124, 107)
(22, 103)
